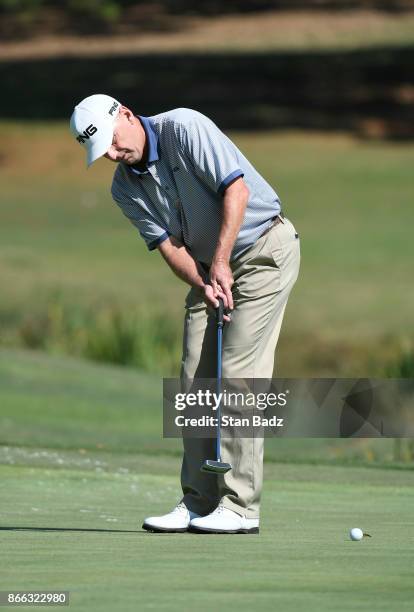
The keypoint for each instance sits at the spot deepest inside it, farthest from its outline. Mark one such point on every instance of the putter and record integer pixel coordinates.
(210, 465)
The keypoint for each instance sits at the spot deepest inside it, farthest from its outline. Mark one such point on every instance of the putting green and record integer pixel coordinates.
(73, 501)
(72, 520)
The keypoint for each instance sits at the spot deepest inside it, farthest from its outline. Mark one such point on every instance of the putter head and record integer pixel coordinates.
(216, 467)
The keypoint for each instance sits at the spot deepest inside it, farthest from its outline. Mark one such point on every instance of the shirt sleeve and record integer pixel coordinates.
(136, 210)
(211, 153)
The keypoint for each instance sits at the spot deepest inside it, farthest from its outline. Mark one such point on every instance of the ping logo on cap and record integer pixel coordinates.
(113, 108)
(86, 134)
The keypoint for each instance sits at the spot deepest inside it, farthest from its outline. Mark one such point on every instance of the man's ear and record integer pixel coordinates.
(128, 114)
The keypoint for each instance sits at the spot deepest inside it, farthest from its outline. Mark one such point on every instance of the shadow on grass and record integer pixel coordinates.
(67, 529)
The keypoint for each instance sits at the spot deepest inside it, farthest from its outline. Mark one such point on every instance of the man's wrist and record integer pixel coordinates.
(200, 284)
(221, 259)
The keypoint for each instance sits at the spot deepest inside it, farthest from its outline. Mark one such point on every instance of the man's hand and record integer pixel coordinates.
(212, 301)
(186, 268)
(221, 279)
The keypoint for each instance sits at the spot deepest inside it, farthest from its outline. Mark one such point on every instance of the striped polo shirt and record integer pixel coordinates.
(180, 192)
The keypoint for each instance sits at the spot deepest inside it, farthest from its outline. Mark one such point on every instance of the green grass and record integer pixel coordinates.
(63, 403)
(82, 446)
(82, 462)
(64, 241)
(76, 527)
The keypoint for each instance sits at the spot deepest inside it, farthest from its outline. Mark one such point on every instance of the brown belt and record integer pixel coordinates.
(275, 221)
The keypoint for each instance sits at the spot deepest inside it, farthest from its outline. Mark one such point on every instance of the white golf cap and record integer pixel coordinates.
(92, 123)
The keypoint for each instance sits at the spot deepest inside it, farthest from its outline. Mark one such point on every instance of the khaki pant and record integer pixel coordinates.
(263, 278)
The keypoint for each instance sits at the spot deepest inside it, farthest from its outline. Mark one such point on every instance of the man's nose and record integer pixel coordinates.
(111, 154)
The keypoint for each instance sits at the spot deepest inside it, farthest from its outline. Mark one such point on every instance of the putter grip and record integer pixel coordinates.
(220, 312)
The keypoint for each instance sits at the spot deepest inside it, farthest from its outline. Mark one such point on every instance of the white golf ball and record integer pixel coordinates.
(356, 534)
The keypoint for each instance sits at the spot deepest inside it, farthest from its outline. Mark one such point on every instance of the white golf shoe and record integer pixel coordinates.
(176, 521)
(223, 520)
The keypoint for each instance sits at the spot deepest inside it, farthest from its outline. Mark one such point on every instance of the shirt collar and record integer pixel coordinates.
(152, 141)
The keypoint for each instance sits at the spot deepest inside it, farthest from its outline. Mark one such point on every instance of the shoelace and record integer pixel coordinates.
(220, 509)
(181, 507)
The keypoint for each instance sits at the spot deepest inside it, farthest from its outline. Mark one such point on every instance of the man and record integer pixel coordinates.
(218, 224)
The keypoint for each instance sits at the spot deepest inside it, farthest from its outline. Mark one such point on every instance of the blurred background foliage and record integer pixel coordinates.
(28, 18)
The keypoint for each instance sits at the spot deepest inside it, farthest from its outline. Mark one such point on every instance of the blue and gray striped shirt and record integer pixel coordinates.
(180, 193)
